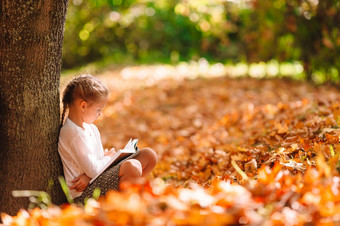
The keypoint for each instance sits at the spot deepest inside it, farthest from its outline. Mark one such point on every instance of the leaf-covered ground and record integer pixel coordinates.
(231, 151)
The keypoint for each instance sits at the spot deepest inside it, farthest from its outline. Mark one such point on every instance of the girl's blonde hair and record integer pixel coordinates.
(86, 87)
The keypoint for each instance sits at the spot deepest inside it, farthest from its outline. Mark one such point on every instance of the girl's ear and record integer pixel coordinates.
(83, 105)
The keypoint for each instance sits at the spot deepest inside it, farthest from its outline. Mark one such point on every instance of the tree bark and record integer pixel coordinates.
(31, 38)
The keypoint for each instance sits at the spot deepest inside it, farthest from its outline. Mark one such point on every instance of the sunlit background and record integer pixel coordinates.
(266, 38)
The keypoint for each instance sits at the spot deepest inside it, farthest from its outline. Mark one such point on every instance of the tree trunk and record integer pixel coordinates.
(31, 38)
(308, 69)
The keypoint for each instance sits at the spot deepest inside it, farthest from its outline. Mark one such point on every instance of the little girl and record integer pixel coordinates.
(80, 144)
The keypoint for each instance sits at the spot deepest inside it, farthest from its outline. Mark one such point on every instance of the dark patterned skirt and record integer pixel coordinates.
(108, 180)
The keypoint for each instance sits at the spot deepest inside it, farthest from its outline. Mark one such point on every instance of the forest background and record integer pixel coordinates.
(272, 33)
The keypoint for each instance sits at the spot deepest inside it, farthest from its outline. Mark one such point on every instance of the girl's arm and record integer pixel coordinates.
(86, 159)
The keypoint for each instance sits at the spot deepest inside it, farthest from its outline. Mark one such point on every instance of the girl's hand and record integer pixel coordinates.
(80, 183)
(110, 153)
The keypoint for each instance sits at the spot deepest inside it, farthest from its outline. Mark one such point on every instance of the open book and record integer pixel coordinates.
(130, 148)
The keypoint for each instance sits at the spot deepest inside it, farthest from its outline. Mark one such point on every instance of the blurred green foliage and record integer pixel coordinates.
(218, 30)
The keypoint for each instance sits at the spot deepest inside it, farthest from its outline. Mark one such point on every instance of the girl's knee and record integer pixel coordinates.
(150, 155)
(132, 168)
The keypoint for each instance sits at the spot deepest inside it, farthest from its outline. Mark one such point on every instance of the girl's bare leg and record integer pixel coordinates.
(130, 170)
(140, 166)
(148, 158)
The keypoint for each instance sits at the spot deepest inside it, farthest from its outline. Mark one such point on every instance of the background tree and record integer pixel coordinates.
(317, 35)
(305, 31)
(30, 62)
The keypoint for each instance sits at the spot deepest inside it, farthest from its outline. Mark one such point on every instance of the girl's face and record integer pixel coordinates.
(92, 110)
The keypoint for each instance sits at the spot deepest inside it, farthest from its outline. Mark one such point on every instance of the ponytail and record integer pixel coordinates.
(62, 117)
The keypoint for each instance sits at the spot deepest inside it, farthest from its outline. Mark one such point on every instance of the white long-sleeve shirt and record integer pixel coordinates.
(81, 151)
